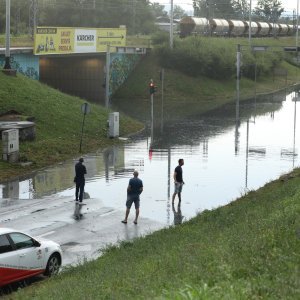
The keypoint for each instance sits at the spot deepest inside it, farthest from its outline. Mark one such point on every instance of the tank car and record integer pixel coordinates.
(284, 29)
(254, 28)
(189, 25)
(264, 29)
(219, 27)
(237, 28)
(275, 29)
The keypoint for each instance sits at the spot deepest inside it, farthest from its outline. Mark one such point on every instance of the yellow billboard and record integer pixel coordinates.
(64, 40)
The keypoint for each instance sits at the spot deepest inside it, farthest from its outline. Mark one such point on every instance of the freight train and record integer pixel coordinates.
(232, 28)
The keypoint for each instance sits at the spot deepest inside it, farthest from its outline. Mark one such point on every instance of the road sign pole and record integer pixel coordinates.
(107, 76)
(82, 132)
(85, 108)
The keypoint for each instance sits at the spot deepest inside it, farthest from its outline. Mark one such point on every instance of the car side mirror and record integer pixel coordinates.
(36, 243)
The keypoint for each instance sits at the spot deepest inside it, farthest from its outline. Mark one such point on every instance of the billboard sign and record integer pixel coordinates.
(65, 40)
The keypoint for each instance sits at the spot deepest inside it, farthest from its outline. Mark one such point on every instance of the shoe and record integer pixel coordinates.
(134, 222)
(124, 222)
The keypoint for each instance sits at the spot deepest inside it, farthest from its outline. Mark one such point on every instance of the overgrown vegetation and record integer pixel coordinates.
(248, 249)
(216, 57)
(58, 121)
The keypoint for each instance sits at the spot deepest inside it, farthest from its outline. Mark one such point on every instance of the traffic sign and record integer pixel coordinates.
(114, 37)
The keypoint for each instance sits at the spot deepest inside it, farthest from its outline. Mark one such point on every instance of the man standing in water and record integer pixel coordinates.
(80, 170)
(178, 181)
(134, 189)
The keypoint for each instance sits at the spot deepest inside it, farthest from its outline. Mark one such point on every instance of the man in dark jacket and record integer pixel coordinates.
(80, 170)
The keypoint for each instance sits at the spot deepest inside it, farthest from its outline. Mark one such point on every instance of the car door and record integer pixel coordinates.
(9, 261)
(30, 257)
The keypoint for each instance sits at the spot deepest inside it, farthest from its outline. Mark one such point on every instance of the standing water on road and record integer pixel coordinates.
(222, 161)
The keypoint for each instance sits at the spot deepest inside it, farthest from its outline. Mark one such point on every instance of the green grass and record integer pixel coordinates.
(58, 121)
(185, 95)
(248, 249)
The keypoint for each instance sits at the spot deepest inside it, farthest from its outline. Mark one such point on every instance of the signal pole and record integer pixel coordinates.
(152, 91)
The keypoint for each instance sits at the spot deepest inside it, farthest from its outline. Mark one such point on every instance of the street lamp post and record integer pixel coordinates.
(7, 37)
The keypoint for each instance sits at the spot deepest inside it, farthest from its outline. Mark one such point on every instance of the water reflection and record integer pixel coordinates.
(178, 217)
(222, 160)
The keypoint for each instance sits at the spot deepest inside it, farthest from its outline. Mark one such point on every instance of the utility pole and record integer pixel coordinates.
(33, 9)
(7, 37)
(171, 25)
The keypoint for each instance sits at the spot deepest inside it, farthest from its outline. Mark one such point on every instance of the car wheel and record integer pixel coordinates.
(53, 265)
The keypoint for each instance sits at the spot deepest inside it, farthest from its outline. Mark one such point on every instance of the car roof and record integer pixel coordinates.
(7, 230)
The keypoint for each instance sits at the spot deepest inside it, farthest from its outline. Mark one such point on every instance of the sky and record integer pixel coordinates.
(187, 5)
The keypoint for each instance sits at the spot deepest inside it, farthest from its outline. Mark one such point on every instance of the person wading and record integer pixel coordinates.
(80, 171)
(134, 189)
(178, 181)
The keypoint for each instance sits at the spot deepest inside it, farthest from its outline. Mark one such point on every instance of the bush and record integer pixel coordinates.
(214, 58)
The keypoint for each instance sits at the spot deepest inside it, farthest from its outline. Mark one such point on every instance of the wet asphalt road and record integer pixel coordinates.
(52, 218)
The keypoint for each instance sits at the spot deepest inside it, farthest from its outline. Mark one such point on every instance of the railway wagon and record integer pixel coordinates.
(219, 27)
(189, 25)
(237, 28)
(222, 27)
(284, 29)
(254, 28)
(264, 29)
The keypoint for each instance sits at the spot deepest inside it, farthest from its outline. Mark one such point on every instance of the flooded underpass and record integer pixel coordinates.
(223, 160)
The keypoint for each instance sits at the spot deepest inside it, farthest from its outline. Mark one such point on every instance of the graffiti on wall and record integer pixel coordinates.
(25, 64)
(121, 66)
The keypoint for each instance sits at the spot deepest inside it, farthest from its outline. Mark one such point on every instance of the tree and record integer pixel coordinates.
(178, 12)
(158, 10)
(241, 9)
(269, 10)
(137, 15)
(214, 9)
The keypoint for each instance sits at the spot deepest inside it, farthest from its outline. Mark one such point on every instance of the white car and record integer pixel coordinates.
(22, 256)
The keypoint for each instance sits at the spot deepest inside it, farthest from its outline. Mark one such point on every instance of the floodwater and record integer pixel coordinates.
(222, 161)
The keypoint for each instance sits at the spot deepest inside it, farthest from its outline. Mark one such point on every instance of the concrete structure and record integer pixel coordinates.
(10, 145)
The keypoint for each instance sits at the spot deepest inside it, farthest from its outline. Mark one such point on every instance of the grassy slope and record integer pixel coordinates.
(197, 94)
(58, 120)
(248, 249)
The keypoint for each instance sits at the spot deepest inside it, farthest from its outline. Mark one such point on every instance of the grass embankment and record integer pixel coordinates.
(58, 119)
(248, 249)
(186, 95)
